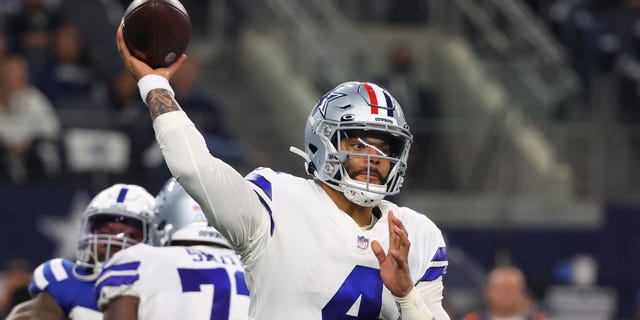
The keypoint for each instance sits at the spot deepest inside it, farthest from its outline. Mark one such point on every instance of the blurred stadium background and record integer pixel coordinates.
(526, 116)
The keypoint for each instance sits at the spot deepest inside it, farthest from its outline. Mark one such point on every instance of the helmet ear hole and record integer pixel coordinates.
(161, 225)
(311, 168)
(313, 148)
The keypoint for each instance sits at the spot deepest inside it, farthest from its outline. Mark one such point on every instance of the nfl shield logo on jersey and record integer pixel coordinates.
(363, 243)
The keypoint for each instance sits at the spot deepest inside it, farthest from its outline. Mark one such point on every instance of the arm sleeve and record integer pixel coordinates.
(431, 293)
(226, 198)
(433, 266)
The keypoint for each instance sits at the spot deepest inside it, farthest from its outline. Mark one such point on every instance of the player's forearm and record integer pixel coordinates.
(122, 308)
(157, 94)
(161, 101)
(41, 308)
(412, 307)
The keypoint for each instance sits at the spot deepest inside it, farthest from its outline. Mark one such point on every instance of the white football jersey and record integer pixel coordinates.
(197, 282)
(304, 257)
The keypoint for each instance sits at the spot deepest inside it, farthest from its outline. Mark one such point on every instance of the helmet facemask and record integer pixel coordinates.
(97, 244)
(348, 143)
(117, 218)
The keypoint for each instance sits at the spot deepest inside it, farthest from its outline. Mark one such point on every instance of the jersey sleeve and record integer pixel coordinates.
(119, 277)
(227, 199)
(43, 275)
(430, 284)
(51, 276)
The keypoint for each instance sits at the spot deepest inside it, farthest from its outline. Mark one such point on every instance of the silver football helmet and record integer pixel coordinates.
(116, 218)
(180, 218)
(356, 110)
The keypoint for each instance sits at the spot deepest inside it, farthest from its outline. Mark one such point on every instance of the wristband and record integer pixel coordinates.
(150, 82)
(413, 307)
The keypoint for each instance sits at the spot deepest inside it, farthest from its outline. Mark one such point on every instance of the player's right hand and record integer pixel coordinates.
(394, 265)
(139, 69)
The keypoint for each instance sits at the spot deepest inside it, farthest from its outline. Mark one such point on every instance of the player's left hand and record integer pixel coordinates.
(394, 265)
(139, 69)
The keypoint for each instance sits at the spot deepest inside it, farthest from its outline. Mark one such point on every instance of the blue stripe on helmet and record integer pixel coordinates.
(122, 195)
(387, 99)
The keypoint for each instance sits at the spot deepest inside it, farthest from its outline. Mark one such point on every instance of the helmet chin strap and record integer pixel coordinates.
(364, 198)
(96, 268)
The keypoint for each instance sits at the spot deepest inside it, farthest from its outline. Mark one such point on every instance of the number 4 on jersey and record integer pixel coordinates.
(363, 283)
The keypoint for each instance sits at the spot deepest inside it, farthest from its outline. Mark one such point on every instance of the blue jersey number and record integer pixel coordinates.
(192, 279)
(362, 282)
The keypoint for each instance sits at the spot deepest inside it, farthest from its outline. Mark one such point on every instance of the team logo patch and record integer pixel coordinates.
(362, 243)
(322, 105)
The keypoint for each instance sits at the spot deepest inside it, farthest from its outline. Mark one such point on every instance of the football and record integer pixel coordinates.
(156, 31)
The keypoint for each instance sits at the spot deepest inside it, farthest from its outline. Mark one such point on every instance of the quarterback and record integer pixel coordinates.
(328, 247)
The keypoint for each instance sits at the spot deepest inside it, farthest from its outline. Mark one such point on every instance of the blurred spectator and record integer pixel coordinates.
(15, 279)
(603, 39)
(132, 118)
(30, 31)
(96, 22)
(575, 25)
(419, 102)
(206, 111)
(29, 128)
(69, 79)
(387, 11)
(621, 30)
(416, 99)
(622, 21)
(407, 11)
(506, 297)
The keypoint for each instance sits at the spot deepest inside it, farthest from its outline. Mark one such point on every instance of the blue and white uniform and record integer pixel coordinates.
(75, 297)
(304, 257)
(176, 282)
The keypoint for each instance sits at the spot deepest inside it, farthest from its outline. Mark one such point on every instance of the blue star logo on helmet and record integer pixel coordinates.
(322, 104)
